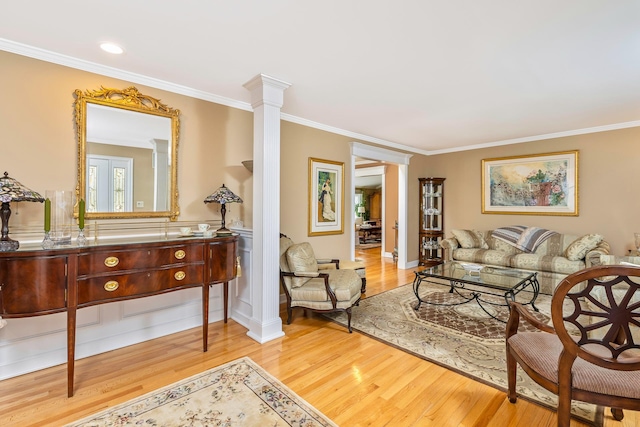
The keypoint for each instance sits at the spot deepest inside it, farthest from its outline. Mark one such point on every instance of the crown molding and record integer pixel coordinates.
(354, 135)
(92, 67)
(104, 70)
(584, 131)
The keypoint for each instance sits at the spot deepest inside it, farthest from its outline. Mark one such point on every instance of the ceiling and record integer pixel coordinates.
(425, 76)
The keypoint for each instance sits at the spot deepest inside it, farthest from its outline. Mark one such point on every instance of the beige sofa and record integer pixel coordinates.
(557, 257)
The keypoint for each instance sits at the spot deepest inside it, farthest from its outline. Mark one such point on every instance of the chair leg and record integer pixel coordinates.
(289, 315)
(617, 413)
(512, 366)
(349, 320)
(364, 285)
(564, 410)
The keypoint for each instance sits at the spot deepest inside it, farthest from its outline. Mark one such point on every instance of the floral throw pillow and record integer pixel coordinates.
(301, 259)
(470, 239)
(578, 249)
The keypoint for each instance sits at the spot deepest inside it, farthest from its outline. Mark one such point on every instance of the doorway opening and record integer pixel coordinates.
(393, 216)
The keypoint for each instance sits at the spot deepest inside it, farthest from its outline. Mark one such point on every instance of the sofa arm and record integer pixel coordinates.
(592, 258)
(449, 245)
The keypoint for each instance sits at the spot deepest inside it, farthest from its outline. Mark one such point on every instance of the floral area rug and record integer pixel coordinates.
(462, 338)
(239, 393)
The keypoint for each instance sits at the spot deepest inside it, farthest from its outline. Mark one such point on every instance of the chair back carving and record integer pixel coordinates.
(596, 315)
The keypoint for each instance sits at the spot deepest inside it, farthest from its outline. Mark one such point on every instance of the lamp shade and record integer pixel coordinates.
(223, 196)
(12, 191)
(361, 209)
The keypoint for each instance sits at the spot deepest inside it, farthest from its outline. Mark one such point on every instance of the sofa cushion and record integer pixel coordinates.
(469, 239)
(579, 248)
(301, 259)
(557, 264)
(483, 256)
(499, 245)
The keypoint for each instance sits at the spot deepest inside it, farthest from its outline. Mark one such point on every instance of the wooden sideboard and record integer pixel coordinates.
(35, 282)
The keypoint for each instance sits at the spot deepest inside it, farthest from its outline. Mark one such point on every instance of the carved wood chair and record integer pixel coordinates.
(592, 351)
(306, 286)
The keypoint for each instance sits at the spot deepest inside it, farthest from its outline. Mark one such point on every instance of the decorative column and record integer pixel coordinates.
(267, 96)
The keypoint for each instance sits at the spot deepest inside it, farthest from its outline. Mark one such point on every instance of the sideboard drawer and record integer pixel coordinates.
(36, 285)
(122, 286)
(153, 257)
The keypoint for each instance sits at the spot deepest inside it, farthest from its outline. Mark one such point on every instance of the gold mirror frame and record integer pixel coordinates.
(128, 99)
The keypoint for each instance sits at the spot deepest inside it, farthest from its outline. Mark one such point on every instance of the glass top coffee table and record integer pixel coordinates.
(472, 281)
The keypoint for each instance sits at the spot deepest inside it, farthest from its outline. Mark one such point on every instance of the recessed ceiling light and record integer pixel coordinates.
(111, 48)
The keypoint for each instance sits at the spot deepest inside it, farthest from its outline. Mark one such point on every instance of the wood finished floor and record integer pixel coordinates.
(353, 379)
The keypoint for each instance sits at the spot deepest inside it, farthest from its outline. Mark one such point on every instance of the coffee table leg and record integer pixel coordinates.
(416, 288)
(536, 290)
(510, 295)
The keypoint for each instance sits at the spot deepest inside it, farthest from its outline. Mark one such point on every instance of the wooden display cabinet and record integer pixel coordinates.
(431, 231)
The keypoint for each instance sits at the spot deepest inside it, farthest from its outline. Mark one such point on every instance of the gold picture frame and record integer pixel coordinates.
(326, 197)
(137, 110)
(541, 184)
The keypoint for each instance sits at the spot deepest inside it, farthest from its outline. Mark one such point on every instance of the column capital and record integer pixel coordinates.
(266, 90)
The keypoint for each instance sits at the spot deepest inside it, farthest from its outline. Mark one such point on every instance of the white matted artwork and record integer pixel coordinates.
(326, 197)
(542, 184)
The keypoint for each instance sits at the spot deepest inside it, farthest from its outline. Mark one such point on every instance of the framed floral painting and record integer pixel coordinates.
(542, 184)
(326, 197)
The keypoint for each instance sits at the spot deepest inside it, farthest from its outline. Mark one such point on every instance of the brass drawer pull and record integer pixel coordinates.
(180, 254)
(111, 286)
(111, 261)
(180, 275)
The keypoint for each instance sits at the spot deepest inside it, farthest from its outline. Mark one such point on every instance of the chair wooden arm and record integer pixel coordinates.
(324, 276)
(517, 310)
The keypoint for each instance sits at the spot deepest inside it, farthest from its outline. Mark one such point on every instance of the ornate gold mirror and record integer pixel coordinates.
(127, 154)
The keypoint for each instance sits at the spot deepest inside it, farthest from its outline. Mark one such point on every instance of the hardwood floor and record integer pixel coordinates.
(353, 379)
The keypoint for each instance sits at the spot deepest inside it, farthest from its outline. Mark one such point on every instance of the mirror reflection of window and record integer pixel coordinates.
(119, 191)
(109, 184)
(92, 188)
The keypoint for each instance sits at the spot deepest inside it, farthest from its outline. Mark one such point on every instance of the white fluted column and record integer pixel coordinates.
(267, 95)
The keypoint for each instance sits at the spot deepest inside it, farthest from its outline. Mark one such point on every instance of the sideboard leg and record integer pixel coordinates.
(71, 348)
(205, 317)
(226, 300)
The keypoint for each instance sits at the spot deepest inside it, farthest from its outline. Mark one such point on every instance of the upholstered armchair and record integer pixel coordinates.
(592, 351)
(306, 286)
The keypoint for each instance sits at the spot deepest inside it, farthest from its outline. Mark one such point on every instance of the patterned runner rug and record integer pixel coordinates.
(239, 393)
(462, 338)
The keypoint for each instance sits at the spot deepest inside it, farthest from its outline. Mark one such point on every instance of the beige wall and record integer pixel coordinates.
(39, 149)
(608, 203)
(39, 145)
(298, 143)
